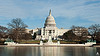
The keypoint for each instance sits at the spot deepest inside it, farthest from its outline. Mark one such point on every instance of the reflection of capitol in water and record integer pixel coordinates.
(67, 51)
(48, 51)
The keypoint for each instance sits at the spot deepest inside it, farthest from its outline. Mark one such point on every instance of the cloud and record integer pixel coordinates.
(10, 10)
(39, 9)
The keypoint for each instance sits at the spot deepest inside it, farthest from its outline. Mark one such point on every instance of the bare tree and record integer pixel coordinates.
(94, 30)
(3, 31)
(17, 24)
(17, 27)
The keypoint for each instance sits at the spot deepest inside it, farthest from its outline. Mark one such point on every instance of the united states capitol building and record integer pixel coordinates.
(49, 29)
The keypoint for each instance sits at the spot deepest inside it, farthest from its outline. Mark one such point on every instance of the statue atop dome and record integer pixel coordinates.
(50, 12)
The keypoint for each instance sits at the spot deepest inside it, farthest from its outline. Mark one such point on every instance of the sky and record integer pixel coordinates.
(65, 12)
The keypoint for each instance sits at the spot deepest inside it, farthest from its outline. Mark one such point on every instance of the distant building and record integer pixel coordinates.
(49, 29)
(80, 31)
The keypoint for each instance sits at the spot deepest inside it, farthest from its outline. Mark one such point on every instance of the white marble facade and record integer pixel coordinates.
(49, 29)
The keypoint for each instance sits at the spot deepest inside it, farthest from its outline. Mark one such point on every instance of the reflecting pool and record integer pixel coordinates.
(49, 51)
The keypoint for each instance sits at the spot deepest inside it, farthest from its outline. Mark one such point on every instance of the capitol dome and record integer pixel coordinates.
(50, 22)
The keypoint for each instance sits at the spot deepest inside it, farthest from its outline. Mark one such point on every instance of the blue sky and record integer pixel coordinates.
(66, 12)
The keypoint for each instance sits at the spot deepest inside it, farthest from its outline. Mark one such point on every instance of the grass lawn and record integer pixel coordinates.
(29, 42)
(44, 41)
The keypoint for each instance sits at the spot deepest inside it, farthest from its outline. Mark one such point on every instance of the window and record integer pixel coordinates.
(53, 31)
(49, 31)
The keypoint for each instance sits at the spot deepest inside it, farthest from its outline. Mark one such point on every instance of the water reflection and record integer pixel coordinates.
(48, 51)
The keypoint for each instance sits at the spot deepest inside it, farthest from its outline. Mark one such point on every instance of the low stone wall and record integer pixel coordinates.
(24, 45)
(48, 44)
(75, 45)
